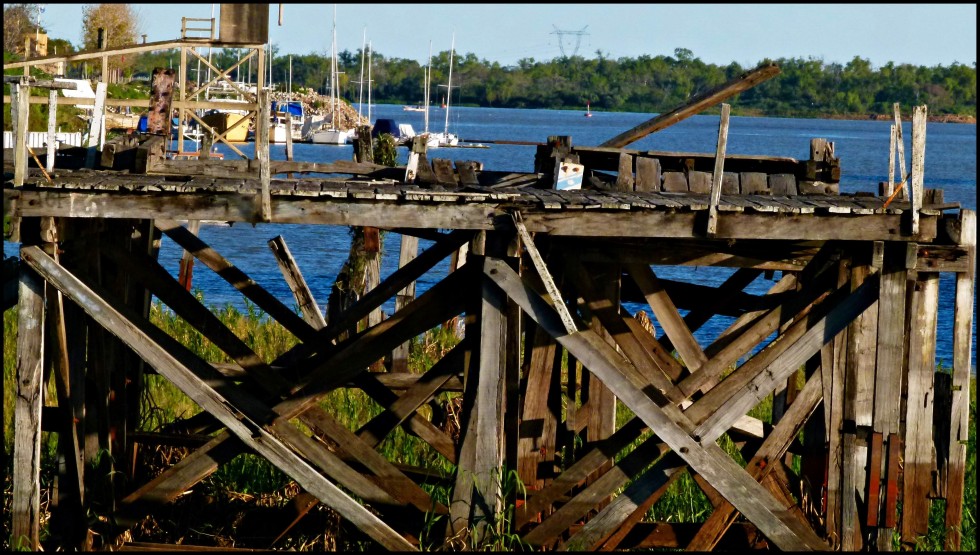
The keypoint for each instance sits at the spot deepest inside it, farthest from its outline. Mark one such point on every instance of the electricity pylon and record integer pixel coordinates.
(578, 38)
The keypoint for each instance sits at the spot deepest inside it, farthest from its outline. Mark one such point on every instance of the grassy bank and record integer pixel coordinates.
(236, 505)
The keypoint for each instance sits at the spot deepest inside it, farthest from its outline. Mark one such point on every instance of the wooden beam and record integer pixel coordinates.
(767, 456)
(19, 115)
(407, 251)
(818, 333)
(705, 458)
(668, 317)
(237, 278)
(916, 192)
(235, 207)
(719, 172)
(959, 428)
(26, 504)
(696, 105)
(249, 431)
(294, 278)
(919, 456)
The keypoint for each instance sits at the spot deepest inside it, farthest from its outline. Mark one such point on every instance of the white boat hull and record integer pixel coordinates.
(330, 137)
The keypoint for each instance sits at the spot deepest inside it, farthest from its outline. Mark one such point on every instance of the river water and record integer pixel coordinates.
(320, 251)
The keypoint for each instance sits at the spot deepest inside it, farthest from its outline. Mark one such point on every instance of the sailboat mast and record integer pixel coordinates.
(428, 76)
(360, 94)
(369, 82)
(449, 82)
(333, 72)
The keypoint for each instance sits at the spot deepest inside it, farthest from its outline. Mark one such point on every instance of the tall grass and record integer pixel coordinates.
(249, 481)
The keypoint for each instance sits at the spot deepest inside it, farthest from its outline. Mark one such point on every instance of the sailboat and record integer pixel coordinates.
(588, 111)
(445, 138)
(332, 135)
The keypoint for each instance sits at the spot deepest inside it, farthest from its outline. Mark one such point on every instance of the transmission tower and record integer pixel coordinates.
(578, 38)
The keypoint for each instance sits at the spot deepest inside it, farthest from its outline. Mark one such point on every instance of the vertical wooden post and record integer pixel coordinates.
(186, 270)
(488, 463)
(363, 147)
(890, 185)
(833, 359)
(52, 127)
(598, 398)
(857, 417)
(919, 454)
(259, 85)
(960, 425)
(900, 150)
(26, 503)
(416, 154)
(69, 518)
(719, 171)
(21, 106)
(407, 252)
(262, 152)
(96, 124)
(183, 98)
(890, 362)
(918, 163)
(289, 139)
(624, 177)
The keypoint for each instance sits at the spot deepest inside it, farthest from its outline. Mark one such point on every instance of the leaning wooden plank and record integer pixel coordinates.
(719, 171)
(376, 429)
(323, 373)
(623, 526)
(959, 427)
(818, 334)
(237, 278)
(174, 481)
(26, 505)
(271, 384)
(417, 424)
(708, 459)
(919, 456)
(625, 470)
(399, 279)
(772, 449)
(653, 370)
(294, 278)
(248, 430)
(731, 346)
(700, 314)
(586, 464)
(668, 317)
(697, 104)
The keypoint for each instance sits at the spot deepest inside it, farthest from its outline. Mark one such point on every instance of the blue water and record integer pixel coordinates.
(862, 147)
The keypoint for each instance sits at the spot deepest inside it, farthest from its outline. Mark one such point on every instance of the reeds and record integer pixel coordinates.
(223, 509)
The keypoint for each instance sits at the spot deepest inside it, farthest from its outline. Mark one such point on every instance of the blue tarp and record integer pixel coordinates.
(294, 107)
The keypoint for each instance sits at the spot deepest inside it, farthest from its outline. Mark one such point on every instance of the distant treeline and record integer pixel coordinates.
(804, 88)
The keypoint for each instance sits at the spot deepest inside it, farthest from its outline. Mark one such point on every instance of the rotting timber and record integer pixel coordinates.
(843, 342)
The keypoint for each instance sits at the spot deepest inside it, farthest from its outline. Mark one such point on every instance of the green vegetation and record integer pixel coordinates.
(228, 507)
(647, 84)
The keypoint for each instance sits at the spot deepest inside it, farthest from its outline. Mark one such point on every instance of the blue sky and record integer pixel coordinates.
(920, 34)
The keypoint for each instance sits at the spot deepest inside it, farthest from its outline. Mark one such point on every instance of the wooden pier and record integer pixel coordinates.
(842, 344)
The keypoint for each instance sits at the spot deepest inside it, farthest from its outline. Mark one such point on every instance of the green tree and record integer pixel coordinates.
(121, 24)
(18, 21)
